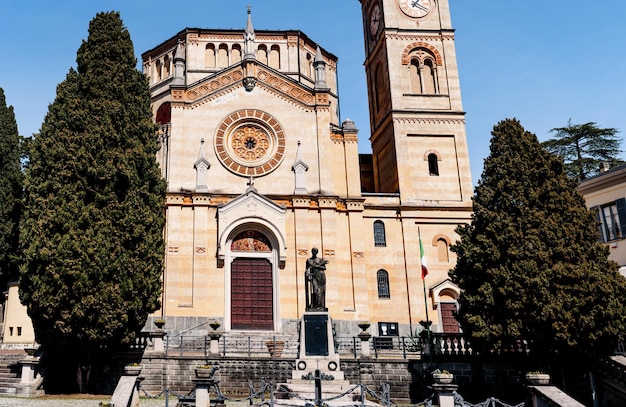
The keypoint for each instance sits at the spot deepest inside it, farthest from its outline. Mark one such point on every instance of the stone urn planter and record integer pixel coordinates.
(538, 379)
(205, 372)
(275, 348)
(364, 325)
(442, 377)
(159, 323)
(214, 325)
(132, 370)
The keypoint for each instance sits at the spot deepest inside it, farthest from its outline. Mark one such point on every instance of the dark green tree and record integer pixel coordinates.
(530, 264)
(10, 192)
(94, 202)
(585, 148)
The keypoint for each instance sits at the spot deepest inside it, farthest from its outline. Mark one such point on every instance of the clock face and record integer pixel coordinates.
(416, 8)
(375, 20)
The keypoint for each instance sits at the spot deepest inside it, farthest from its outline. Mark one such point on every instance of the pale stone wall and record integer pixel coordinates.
(18, 328)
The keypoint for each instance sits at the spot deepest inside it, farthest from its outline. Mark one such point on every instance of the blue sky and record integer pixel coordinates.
(543, 62)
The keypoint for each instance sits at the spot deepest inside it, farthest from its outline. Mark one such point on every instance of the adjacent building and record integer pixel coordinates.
(605, 195)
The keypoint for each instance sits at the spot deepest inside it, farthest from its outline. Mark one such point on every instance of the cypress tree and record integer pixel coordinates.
(94, 205)
(530, 264)
(10, 192)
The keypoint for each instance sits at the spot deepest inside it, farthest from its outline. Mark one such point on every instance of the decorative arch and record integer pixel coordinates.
(250, 241)
(406, 53)
(440, 237)
(274, 57)
(235, 54)
(210, 57)
(222, 56)
(429, 152)
(276, 239)
(252, 278)
(262, 54)
(445, 298)
(164, 113)
(446, 288)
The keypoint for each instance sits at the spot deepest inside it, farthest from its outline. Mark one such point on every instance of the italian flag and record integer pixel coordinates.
(423, 261)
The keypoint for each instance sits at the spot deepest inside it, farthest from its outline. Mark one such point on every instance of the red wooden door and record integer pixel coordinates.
(448, 321)
(251, 290)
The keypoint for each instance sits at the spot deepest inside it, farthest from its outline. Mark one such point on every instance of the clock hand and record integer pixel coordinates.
(419, 6)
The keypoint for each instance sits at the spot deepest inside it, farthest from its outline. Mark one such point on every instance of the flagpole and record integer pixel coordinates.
(419, 235)
(424, 273)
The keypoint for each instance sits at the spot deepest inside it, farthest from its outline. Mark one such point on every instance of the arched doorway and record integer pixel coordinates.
(251, 282)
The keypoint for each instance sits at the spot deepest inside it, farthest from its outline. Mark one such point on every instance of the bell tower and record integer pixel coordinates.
(419, 146)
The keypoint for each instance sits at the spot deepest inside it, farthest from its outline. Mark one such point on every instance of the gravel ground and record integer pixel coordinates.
(92, 401)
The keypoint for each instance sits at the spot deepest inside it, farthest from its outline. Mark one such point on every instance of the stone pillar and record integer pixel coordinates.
(215, 344)
(29, 370)
(158, 341)
(444, 388)
(203, 398)
(365, 336)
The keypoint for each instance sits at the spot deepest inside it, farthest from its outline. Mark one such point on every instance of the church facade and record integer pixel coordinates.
(260, 171)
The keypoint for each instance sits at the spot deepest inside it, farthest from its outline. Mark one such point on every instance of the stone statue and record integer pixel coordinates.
(315, 282)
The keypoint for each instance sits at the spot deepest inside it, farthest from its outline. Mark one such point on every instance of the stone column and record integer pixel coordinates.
(215, 344)
(203, 398)
(29, 369)
(444, 388)
(29, 366)
(365, 336)
(158, 341)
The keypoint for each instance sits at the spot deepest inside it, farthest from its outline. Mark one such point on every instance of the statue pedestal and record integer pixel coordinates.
(318, 376)
(317, 347)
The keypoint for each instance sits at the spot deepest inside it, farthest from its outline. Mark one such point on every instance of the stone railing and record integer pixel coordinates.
(232, 345)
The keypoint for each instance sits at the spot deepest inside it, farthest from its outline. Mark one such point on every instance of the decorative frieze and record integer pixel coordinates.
(406, 120)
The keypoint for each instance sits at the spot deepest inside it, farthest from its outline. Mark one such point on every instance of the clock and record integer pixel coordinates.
(375, 20)
(416, 8)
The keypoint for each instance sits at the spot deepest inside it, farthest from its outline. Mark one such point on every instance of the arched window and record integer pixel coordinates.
(164, 113)
(309, 66)
(428, 77)
(414, 76)
(158, 71)
(274, 57)
(422, 71)
(222, 56)
(167, 65)
(433, 164)
(443, 255)
(235, 54)
(380, 240)
(209, 56)
(262, 54)
(382, 277)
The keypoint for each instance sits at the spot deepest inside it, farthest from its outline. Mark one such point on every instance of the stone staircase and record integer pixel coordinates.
(10, 371)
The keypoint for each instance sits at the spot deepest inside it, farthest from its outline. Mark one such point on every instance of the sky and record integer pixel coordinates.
(542, 62)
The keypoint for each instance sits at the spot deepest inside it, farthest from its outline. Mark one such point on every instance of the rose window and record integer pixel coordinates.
(250, 142)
